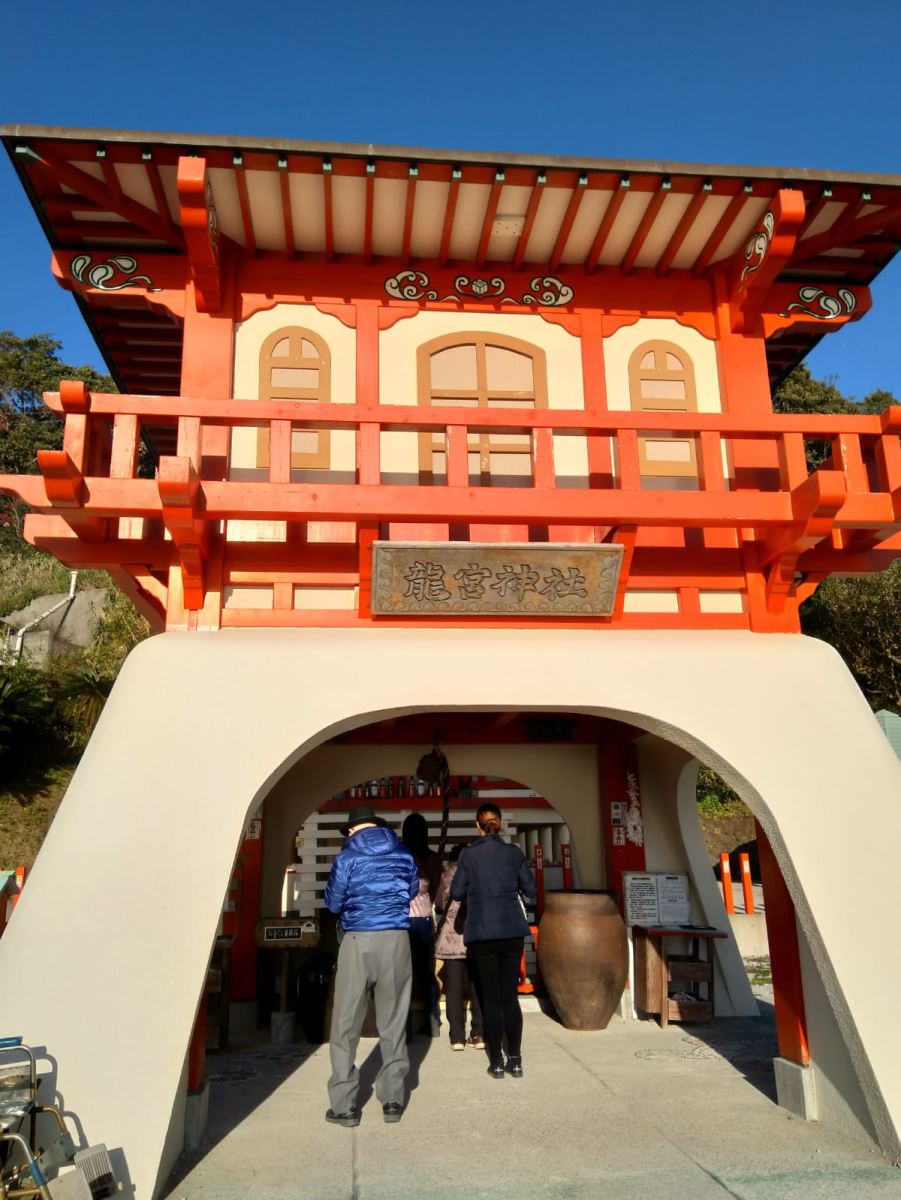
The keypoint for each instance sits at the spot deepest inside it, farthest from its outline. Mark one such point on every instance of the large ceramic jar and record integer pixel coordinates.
(583, 956)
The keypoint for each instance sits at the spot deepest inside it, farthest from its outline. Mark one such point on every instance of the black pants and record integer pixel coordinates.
(494, 967)
(457, 991)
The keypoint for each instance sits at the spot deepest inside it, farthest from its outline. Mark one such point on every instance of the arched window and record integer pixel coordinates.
(481, 370)
(295, 365)
(661, 379)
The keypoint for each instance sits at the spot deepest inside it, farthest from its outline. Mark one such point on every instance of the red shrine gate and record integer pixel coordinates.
(511, 420)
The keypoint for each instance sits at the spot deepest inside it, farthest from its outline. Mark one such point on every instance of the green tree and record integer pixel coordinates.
(29, 367)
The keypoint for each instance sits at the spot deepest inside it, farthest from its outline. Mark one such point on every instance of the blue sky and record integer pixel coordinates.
(770, 83)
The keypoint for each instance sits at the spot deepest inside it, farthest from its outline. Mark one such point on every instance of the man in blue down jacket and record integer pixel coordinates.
(372, 881)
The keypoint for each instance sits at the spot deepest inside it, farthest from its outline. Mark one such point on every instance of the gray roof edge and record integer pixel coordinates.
(492, 158)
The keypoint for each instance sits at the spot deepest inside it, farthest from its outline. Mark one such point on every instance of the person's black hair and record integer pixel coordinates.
(457, 851)
(415, 833)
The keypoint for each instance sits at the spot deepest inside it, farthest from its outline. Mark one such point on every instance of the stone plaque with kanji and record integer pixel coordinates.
(529, 579)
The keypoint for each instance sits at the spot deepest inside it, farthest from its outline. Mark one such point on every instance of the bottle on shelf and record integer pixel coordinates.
(401, 787)
(390, 792)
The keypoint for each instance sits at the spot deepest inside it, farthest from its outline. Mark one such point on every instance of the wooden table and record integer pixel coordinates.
(656, 968)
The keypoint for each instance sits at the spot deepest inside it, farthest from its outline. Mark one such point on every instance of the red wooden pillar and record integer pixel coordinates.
(785, 961)
(197, 1047)
(244, 949)
(622, 825)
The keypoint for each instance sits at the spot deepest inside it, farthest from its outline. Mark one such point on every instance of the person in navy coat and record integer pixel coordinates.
(490, 877)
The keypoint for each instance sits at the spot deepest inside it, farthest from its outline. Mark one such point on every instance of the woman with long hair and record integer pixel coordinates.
(415, 836)
(490, 876)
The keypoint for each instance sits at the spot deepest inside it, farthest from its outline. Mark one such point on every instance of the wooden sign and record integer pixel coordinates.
(517, 579)
(283, 933)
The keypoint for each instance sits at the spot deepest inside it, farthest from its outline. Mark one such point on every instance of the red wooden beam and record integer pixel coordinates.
(723, 225)
(284, 183)
(849, 230)
(329, 216)
(409, 206)
(244, 202)
(569, 219)
(159, 196)
(97, 190)
(488, 221)
(367, 219)
(641, 233)
(449, 210)
(600, 238)
(529, 219)
(681, 231)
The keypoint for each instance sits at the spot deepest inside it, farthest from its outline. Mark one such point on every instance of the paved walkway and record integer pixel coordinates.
(632, 1112)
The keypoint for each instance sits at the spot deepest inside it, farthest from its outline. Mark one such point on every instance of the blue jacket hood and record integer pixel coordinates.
(372, 881)
(375, 840)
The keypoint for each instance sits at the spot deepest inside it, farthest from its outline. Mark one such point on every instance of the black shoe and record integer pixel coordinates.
(496, 1071)
(514, 1066)
(348, 1119)
(392, 1111)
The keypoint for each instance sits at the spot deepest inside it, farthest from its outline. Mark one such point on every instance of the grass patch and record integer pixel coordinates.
(26, 811)
(759, 970)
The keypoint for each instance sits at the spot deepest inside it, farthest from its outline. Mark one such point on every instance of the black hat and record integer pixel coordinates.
(363, 815)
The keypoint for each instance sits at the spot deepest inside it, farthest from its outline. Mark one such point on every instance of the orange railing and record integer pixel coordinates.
(751, 480)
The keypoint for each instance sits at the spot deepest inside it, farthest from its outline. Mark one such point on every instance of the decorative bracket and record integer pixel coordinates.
(181, 496)
(198, 218)
(766, 252)
(815, 503)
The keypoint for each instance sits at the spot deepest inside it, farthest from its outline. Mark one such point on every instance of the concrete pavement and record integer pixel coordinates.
(632, 1112)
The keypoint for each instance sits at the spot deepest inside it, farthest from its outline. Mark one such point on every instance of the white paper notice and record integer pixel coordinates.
(673, 901)
(641, 898)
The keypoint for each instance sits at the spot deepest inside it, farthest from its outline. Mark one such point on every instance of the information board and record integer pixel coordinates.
(656, 898)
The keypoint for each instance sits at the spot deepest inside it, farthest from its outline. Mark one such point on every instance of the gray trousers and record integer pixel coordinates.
(378, 961)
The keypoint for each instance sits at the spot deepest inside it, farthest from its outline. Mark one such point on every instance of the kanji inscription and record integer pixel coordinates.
(517, 579)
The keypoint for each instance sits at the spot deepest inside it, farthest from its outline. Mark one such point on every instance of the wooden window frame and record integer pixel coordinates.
(653, 467)
(484, 444)
(301, 460)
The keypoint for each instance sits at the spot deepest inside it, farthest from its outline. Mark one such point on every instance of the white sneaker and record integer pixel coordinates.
(458, 1045)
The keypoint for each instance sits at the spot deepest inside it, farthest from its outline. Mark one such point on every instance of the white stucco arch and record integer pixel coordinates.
(201, 726)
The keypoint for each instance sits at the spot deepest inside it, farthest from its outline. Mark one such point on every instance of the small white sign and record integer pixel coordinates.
(642, 906)
(656, 898)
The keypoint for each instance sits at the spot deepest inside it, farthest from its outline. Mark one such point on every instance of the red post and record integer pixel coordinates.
(746, 882)
(726, 877)
(21, 873)
(525, 986)
(566, 853)
(785, 959)
(539, 879)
